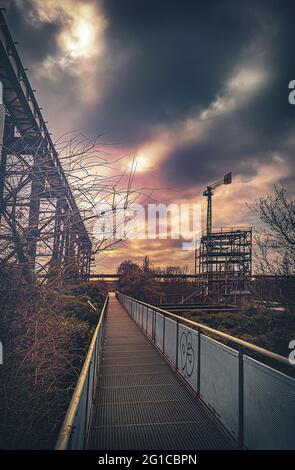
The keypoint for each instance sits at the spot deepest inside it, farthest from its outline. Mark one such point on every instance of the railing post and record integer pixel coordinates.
(87, 403)
(154, 326)
(177, 340)
(164, 334)
(94, 366)
(241, 400)
(141, 316)
(199, 364)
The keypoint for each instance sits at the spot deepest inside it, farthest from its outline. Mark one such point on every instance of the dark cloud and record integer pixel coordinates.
(237, 141)
(177, 57)
(167, 60)
(38, 40)
(180, 58)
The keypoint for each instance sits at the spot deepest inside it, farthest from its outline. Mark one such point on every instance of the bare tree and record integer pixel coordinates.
(274, 248)
(55, 218)
(275, 237)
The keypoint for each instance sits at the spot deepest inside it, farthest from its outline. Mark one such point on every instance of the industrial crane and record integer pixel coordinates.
(227, 179)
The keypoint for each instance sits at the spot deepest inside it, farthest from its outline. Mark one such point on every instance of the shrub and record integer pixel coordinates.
(45, 336)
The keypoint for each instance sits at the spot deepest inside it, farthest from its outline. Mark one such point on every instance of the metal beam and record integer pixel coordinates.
(45, 178)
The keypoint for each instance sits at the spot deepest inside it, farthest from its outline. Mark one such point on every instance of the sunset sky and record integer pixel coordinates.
(194, 89)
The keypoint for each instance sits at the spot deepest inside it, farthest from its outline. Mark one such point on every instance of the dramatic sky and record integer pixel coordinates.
(192, 88)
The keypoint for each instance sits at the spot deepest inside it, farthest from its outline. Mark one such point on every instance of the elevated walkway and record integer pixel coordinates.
(153, 380)
(141, 402)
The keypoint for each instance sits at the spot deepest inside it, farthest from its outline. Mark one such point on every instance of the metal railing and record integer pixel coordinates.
(254, 402)
(74, 432)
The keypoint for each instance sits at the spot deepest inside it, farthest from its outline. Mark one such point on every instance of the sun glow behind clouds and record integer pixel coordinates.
(81, 45)
(80, 41)
(82, 34)
(83, 37)
(142, 163)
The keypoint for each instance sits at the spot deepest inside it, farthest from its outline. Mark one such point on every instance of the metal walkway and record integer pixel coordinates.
(141, 402)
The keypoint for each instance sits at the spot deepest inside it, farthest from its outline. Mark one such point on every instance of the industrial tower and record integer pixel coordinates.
(223, 261)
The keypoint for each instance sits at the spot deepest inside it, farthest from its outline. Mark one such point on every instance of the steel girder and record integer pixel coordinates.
(40, 219)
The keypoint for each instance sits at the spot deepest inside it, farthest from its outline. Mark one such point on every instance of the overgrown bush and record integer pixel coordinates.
(45, 336)
(96, 291)
(138, 283)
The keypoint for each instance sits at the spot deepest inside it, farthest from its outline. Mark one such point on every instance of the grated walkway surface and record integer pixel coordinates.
(141, 403)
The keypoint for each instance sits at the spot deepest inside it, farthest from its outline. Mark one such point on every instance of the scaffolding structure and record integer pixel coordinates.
(223, 263)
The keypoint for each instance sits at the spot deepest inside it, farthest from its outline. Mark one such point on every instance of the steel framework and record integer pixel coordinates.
(224, 261)
(40, 220)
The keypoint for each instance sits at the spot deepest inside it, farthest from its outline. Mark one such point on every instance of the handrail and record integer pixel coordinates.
(67, 426)
(241, 342)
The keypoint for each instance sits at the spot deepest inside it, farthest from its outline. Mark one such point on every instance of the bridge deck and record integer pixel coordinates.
(142, 403)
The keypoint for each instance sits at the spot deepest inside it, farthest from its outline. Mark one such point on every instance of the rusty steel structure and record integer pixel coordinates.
(224, 262)
(40, 221)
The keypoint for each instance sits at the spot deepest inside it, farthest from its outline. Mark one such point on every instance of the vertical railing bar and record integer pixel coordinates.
(100, 342)
(241, 400)
(199, 364)
(164, 323)
(177, 340)
(94, 367)
(86, 411)
(142, 309)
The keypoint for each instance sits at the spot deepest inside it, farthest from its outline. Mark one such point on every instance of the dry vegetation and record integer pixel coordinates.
(138, 282)
(45, 335)
(261, 325)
